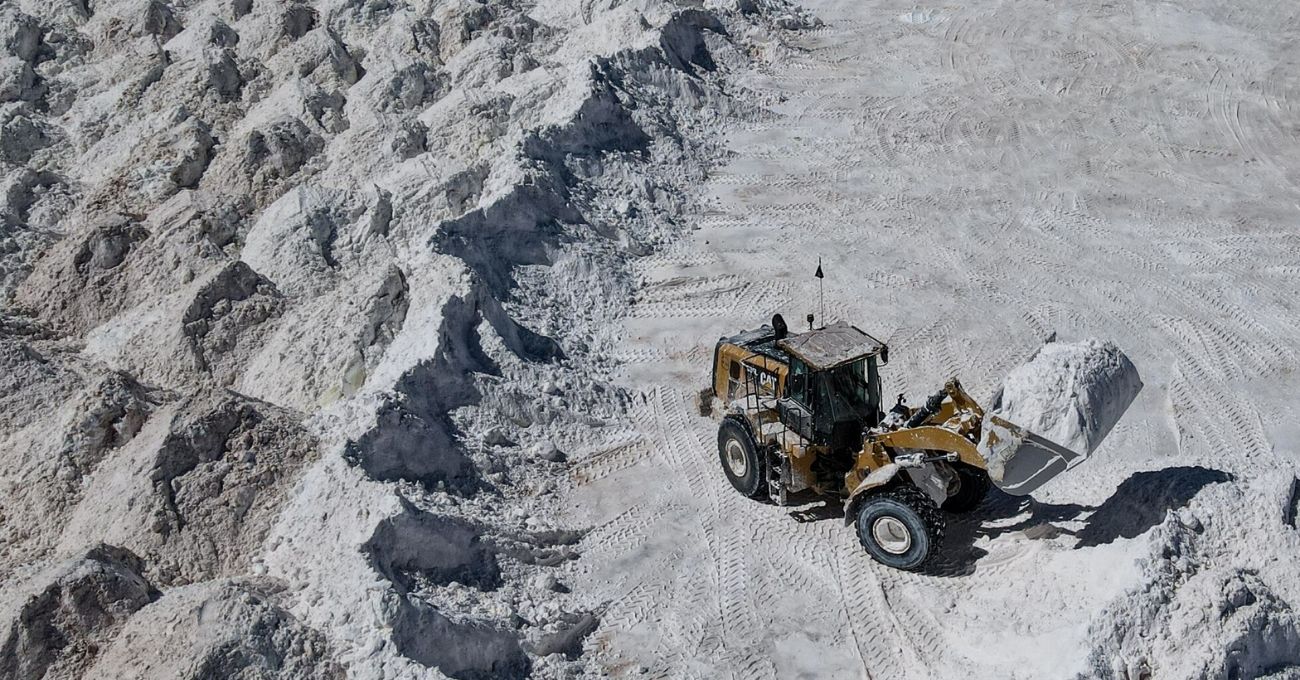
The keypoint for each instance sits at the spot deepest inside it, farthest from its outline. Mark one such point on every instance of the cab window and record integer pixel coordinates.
(733, 380)
(797, 383)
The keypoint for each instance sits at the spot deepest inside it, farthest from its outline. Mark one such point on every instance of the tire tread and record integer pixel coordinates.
(758, 459)
(929, 512)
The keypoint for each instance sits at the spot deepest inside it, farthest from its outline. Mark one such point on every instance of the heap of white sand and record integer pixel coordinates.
(1072, 393)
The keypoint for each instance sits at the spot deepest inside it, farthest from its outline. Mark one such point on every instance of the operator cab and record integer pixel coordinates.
(832, 390)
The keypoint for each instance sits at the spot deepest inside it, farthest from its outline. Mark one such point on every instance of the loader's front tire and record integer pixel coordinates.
(740, 459)
(900, 527)
(969, 488)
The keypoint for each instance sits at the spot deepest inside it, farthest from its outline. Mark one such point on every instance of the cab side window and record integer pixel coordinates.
(797, 383)
(823, 410)
(733, 380)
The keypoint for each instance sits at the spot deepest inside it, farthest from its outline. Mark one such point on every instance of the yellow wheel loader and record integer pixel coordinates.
(802, 412)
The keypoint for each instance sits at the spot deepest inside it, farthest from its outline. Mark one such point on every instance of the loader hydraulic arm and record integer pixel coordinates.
(928, 410)
(941, 406)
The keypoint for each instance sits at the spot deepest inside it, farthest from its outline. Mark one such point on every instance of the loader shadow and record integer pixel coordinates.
(1138, 504)
(829, 508)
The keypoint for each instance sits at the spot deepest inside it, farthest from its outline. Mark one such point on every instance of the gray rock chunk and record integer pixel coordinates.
(219, 629)
(54, 623)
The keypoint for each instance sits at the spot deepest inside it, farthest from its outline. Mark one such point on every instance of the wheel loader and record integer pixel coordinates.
(803, 413)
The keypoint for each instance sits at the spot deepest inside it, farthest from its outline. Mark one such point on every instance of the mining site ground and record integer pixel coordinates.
(977, 180)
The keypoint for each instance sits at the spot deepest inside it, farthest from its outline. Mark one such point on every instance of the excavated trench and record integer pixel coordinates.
(416, 549)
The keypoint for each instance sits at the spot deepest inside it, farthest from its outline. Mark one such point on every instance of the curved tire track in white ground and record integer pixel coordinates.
(974, 181)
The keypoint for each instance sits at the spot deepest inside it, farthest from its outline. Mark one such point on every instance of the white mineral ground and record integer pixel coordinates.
(978, 179)
(357, 338)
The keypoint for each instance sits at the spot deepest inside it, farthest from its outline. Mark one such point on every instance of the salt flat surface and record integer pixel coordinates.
(976, 179)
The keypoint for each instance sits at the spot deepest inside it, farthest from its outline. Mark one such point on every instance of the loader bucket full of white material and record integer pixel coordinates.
(1054, 411)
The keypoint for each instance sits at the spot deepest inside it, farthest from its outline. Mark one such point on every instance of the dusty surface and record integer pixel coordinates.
(358, 338)
(976, 179)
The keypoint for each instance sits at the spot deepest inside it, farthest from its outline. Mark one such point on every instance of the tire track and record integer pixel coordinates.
(975, 181)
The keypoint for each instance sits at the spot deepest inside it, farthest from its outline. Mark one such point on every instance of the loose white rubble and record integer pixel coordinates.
(302, 304)
(309, 312)
(1072, 393)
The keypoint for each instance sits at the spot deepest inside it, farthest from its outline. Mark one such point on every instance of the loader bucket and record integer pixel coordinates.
(1071, 395)
(1020, 461)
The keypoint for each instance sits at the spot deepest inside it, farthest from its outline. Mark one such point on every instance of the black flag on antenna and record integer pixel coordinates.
(819, 273)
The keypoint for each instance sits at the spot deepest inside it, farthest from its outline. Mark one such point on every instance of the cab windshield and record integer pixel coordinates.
(854, 390)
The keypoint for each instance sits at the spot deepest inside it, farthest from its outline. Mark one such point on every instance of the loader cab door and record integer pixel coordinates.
(797, 403)
(854, 392)
(851, 402)
(832, 406)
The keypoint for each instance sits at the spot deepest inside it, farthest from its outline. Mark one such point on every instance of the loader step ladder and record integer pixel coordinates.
(778, 474)
(774, 436)
(761, 410)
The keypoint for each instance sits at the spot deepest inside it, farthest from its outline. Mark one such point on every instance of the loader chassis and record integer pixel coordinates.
(804, 413)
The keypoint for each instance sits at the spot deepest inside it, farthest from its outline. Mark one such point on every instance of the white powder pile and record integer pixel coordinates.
(1071, 393)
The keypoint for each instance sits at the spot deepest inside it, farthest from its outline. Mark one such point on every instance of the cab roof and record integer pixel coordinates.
(831, 346)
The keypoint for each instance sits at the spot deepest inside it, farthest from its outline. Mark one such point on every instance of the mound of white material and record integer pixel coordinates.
(282, 283)
(1071, 393)
(225, 628)
(1239, 619)
(54, 621)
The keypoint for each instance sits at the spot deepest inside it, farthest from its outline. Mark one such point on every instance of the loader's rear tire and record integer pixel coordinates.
(900, 527)
(740, 459)
(971, 485)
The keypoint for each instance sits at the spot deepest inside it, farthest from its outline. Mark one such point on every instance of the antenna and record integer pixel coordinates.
(821, 293)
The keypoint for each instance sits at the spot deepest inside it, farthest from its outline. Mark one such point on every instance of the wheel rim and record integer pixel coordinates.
(891, 535)
(736, 458)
